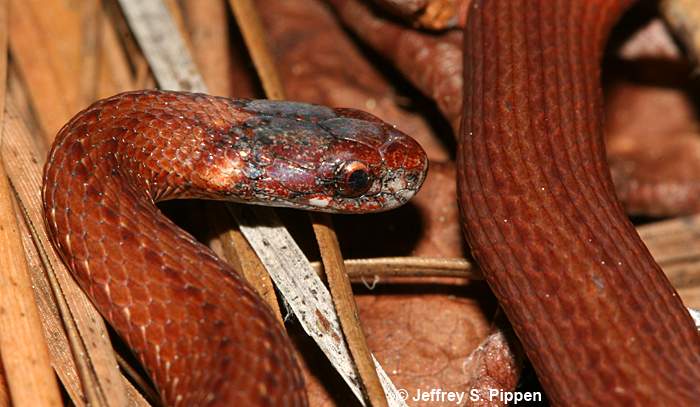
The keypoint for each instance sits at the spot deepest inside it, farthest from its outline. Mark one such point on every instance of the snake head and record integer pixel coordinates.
(371, 165)
(330, 160)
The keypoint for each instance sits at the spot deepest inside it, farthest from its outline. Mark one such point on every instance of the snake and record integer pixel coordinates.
(597, 317)
(202, 334)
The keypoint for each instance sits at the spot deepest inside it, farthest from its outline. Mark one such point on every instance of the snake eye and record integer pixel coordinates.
(354, 179)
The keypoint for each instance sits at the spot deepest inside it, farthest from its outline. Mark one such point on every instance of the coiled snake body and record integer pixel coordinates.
(597, 317)
(200, 331)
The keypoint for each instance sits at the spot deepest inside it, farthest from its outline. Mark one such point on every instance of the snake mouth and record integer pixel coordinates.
(399, 186)
(406, 168)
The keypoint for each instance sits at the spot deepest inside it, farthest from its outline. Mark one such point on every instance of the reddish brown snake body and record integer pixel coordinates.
(597, 317)
(203, 335)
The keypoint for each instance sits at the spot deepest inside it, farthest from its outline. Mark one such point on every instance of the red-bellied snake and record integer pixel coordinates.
(202, 334)
(597, 317)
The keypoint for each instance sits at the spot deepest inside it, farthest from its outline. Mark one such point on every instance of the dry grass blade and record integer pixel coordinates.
(341, 290)
(25, 357)
(100, 379)
(54, 328)
(47, 71)
(162, 45)
(674, 244)
(249, 23)
(52, 72)
(208, 27)
(91, 20)
(62, 78)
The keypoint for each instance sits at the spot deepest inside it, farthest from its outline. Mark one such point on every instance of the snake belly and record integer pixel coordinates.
(199, 330)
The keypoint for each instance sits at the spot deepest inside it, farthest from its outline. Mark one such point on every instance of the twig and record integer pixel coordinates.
(346, 307)
(407, 267)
